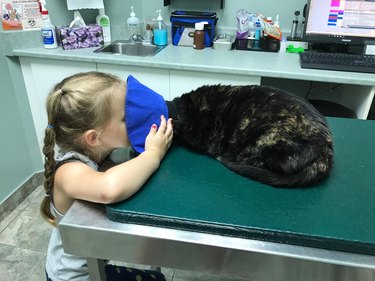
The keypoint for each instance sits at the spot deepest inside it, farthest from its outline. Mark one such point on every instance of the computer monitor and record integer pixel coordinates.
(339, 23)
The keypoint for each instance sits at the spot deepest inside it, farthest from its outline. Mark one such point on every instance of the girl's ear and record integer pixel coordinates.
(91, 138)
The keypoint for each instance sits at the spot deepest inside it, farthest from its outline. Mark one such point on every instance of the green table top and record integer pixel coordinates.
(194, 192)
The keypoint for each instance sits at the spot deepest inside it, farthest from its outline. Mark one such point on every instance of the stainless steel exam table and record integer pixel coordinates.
(195, 214)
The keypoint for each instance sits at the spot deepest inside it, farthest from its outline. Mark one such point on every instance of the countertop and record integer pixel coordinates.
(237, 62)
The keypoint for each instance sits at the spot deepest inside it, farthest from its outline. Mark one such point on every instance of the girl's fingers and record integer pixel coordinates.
(163, 124)
(166, 127)
(153, 128)
(169, 130)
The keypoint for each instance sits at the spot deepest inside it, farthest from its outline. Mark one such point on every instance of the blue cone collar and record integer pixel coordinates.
(143, 107)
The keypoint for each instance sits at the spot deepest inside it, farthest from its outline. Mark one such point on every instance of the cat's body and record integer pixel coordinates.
(259, 132)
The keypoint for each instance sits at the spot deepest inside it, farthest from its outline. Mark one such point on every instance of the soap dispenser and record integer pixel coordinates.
(199, 35)
(160, 31)
(133, 24)
(103, 20)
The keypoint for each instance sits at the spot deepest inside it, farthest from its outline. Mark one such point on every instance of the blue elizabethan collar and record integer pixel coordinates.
(143, 107)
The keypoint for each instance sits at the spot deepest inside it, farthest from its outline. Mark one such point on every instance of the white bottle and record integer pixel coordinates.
(133, 24)
(103, 20)
(277, 22)
(48, 32)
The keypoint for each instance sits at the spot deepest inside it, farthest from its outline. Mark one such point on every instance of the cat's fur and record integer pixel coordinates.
(259, 132)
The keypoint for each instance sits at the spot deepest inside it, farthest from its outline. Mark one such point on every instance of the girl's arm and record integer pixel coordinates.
(75, 180)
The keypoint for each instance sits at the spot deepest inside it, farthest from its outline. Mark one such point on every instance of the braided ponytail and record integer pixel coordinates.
(53, 104)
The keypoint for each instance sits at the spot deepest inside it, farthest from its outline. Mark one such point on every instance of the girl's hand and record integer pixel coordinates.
(160, 139)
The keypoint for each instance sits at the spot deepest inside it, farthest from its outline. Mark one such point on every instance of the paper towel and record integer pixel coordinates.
(84, 4)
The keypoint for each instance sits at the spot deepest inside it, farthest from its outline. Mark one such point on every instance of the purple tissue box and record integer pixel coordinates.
(81, 37)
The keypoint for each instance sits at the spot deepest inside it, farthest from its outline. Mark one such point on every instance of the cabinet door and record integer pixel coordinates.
(155, 79)
(40, 76)
(184, 81)
(358, 98)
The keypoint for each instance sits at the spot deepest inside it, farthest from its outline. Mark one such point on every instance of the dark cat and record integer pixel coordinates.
(259, 132)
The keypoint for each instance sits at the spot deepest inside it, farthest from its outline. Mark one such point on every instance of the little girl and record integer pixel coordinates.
(86, 117)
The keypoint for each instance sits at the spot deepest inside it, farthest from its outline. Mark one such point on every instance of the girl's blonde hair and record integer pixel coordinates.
(78, 103)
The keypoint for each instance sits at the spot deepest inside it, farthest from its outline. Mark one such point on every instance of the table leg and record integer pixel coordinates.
(96, 269)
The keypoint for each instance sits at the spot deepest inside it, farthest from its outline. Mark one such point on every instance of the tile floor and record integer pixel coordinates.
(24, 237)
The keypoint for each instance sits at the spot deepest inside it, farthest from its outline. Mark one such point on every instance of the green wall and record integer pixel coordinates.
(17, 162)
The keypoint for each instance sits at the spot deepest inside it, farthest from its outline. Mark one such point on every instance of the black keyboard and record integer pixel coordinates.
(337, 61)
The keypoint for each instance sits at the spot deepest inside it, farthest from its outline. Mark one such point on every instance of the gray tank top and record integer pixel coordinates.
(59, 265)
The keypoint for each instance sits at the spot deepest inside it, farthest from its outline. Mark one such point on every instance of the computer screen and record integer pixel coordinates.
(339, 21)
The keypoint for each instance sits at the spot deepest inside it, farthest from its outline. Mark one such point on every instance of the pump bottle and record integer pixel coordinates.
(103, 20)
(133, 24)
(48, 32)
(160, 31)
(198, 42)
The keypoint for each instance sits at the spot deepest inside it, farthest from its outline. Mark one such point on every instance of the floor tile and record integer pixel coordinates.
(182, 279)
(19, 195)
(6, 221)
(37, 196)
(18, 264)
(39, 273)
(28, 230)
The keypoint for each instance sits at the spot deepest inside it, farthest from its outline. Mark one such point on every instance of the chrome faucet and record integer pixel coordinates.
(137, 38)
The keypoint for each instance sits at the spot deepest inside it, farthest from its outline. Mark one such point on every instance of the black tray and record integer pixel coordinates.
(263, 44)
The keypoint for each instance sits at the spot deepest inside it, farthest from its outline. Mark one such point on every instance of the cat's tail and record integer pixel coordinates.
(312, 173)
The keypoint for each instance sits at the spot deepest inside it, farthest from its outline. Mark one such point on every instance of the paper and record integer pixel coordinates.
(20, 14)
(84, 4)
(370, 49)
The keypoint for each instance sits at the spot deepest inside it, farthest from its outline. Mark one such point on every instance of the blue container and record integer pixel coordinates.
(160, 37)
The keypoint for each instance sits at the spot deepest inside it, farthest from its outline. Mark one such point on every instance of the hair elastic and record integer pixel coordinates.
(49, 126)
(47, 194)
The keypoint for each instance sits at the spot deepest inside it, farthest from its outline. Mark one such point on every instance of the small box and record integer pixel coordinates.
(224, 42)
(81, 37)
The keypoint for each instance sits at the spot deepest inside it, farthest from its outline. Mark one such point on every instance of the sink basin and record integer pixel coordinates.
(131, 48)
